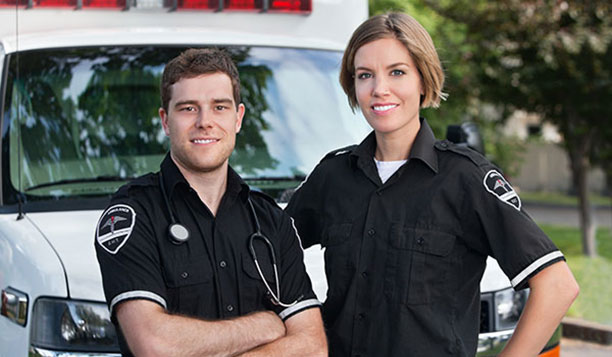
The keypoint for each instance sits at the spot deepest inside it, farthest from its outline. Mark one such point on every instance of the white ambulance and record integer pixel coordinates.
(79, 84)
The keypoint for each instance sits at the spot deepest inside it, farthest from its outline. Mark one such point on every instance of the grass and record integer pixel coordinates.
(562, 198)
(593, 274)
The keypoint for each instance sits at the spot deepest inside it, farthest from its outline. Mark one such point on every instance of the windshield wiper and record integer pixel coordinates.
(102, 178)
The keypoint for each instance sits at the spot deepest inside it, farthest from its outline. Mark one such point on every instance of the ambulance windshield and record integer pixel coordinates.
(80, 122)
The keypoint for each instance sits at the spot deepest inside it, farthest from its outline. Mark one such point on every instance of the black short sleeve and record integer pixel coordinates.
(494, 215)
(304, 207)
(127, 253)
(295, 282)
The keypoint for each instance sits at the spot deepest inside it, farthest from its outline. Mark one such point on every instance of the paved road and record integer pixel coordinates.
(567, 216)
(577, 348)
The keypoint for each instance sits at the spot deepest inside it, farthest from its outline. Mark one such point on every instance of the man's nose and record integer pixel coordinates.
(204, 119)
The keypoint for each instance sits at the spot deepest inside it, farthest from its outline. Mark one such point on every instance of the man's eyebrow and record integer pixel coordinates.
(185, 102)
(223, 101)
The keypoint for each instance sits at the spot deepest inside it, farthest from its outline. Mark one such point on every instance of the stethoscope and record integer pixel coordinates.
(179, 234)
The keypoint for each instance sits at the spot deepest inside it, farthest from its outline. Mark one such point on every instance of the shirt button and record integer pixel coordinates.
(230, 308)
(360, 317)
(420, 241)
(184, 275)
(371, 231)
(222, 264)
(364, 274)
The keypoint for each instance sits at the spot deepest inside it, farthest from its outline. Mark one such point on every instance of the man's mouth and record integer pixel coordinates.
(204, 141)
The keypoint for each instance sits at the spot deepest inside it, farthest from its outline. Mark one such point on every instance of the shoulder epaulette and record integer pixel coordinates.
(341, 151)
(264, 196)
(141, 181)
(463, 150)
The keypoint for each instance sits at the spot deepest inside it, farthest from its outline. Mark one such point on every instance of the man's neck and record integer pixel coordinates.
(210, 186)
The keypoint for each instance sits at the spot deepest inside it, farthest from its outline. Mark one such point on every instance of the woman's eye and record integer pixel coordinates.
(364, 75)
(397, 72)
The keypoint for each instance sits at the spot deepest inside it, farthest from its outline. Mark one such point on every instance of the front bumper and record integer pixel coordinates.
(491, 343)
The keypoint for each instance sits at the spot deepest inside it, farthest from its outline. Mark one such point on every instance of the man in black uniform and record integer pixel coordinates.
(177, 249)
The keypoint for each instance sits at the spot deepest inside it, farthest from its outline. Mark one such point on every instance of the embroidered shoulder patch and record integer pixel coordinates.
(115, 227)
(495, 183)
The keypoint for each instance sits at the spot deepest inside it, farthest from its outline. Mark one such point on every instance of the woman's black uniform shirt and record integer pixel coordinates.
(404, 259)
(212, 275)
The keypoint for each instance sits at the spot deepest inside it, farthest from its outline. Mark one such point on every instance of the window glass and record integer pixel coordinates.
(80, 122)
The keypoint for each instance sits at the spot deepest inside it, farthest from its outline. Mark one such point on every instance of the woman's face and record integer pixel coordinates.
(388, 87)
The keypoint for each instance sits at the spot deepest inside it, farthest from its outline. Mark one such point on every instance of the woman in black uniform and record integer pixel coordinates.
(408, 221)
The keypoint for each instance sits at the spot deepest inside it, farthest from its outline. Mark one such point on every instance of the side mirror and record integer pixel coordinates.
(466, 134)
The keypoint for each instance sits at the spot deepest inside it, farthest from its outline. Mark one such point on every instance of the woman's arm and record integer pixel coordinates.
(552, 292)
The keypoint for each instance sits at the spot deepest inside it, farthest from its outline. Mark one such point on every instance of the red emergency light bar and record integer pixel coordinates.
(86, 4)
(286, 6)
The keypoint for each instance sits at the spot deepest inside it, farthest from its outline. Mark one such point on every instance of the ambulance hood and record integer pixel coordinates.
(71, 234)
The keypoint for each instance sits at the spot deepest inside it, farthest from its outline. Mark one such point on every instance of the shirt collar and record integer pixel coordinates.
(422, 148)
(173, 177)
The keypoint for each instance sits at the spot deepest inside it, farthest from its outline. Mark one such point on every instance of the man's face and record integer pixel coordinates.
(202, 122)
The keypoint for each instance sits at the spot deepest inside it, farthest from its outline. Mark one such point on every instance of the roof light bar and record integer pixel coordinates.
(13, 3)
(299, 6)
(106, 4)
(248, 5)
(285, 6)
(212, 5)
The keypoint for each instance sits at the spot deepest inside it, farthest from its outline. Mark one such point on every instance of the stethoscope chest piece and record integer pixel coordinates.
(178, 233)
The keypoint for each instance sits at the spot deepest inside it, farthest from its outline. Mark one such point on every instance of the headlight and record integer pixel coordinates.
(509, 305)
(68, 325)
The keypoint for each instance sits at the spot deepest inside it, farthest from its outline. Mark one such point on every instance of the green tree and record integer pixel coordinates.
(549, 57)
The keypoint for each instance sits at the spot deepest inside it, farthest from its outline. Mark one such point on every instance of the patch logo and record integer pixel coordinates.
(115, 227)
(495, 183)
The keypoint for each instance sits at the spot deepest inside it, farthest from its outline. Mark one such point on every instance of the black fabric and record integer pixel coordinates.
(404, 259)
(212, 275)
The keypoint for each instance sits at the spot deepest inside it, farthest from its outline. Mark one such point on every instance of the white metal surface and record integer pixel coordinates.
(28, 264)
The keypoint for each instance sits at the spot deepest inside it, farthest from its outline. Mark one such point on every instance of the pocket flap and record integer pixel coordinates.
(422, 240)
(267, 269)
(336, 234)
(188, 274)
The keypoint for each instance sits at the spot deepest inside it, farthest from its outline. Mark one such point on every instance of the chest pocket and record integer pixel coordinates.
(190, 287)
(253, 291)
(338, 264)
(419, 265)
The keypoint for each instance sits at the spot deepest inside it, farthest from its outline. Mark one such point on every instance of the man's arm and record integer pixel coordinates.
(150, 331)
(305, 337)
(552, 292)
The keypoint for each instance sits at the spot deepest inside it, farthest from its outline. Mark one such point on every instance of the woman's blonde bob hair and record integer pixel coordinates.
(411, 34)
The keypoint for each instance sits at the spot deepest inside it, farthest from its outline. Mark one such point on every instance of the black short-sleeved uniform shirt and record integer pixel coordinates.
(212, 275)
(404, 259)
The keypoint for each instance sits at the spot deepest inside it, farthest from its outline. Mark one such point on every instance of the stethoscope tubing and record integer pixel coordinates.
(184, 236)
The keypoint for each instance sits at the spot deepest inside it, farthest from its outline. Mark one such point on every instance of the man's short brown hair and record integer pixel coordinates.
(417, 41)
(195, 62)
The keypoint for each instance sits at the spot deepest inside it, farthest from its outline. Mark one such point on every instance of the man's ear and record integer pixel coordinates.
(239, 116)
(164, 119)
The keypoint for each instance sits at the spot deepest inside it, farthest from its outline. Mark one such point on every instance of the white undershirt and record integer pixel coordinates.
(387, 168)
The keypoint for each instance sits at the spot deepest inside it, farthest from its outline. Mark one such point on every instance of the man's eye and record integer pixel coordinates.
(187, 109)
(220, 107)
(397, 72)
(364, 75)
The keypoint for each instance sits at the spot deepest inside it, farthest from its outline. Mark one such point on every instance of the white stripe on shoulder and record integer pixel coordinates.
(137, 294)
(535, 266)
(296, 233)
(302, 305)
